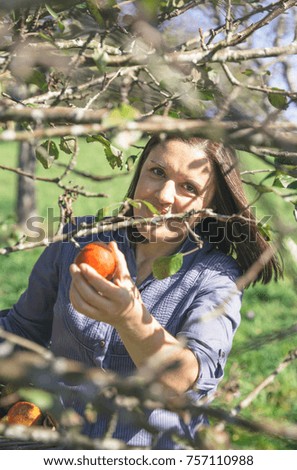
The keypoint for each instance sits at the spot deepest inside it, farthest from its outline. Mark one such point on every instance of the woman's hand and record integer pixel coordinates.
(119, 304)
(103, 300)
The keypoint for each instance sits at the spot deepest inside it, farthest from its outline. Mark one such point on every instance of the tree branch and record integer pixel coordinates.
(267, 381)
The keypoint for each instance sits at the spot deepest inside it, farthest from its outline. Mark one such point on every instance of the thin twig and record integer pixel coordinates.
(267, 381)
(26, 343)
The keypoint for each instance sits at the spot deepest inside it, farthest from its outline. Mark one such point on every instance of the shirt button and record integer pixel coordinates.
(102, 343)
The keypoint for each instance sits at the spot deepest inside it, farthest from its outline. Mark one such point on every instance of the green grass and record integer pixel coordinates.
(15, 268)
(258, 348)
(261, 342)
(270, 205)
(266, 311)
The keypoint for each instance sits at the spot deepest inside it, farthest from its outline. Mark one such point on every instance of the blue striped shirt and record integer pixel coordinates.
(182, 303)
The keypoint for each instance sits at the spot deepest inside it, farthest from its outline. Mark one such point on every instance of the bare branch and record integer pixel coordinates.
(72, 91)
(56, 114)
(268, 380)
(27, 344)
(229, 55)
(243, 134)
(267, 90)
(113, 223)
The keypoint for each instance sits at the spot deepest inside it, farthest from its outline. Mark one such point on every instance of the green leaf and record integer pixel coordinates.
(277, 183)
(40, 398)
(46, 37)
(61, 26)
(282, 180)
(262, 189)
(138, 202)
(134, 203)
(47, 153)
(269, 175)
(100, 58)
(68, 145)
(206, 95)
(113, 154)
(95, 138)
(95, 12)
(167, 265)
(150, 207)
(51, 11)
(265, 231)
(131, 161)
(150, 8)
(248, 72)
(292, 185)
(38, 78)
(119, 116)
(292, 200)
(278, 100)
(108, 211)
(102, 213)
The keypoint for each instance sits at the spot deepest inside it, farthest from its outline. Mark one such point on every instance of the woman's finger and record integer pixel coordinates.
(86, 290)
(81, 305)
(98, 282)
(122, 274)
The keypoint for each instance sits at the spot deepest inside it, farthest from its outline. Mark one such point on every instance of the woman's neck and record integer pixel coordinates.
(156, 249)
(146, 253)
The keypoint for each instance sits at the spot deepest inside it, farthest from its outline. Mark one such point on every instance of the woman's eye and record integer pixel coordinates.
(190, 188)
(157, 171)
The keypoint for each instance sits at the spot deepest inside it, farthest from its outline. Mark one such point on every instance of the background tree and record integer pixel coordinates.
(26, 196)
(115, 72)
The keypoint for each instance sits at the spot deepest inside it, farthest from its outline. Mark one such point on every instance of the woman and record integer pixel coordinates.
(188, 318)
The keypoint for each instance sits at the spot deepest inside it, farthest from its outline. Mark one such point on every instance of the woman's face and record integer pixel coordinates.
(176, 177)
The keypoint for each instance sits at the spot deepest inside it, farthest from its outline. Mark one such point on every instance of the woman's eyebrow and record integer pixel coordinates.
(158, 163)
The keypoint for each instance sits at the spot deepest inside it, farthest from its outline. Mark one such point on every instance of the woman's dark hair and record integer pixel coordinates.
(235, 236)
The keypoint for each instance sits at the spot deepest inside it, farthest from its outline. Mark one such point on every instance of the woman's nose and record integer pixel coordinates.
(166, 194)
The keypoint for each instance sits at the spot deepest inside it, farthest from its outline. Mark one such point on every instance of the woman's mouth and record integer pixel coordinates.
(166, 211)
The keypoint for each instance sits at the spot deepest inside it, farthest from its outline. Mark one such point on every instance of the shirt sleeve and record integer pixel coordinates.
(31, 317)
(210, 325)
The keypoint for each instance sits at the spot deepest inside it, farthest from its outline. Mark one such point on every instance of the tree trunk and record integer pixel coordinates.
(26, 194)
